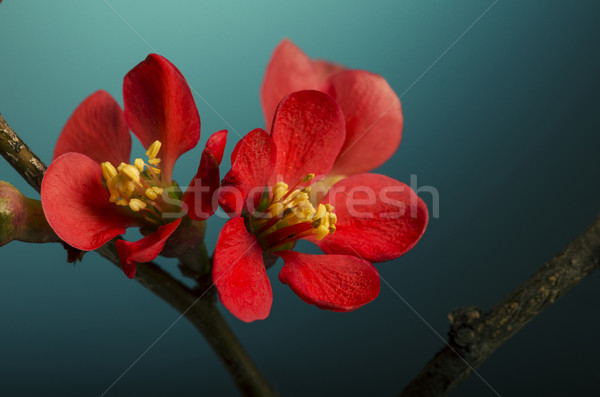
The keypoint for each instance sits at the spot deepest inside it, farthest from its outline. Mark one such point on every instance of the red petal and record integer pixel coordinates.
(309, 132)
(334, 282)
(373, 120)
(97, 128)
(254, 163)
(379, 218)
(76, 203)
(289, 70)
(216, 145)
(200, 195)
(159, 106)
(326, 69)
(144, 250)
(239, 273)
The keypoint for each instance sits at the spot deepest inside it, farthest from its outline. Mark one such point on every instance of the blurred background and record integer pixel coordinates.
(505, 126)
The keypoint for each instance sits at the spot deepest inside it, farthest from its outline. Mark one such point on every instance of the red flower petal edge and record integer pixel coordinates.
(255, 157)
(333, 282)
(159, 106)
(144, 250)
(326, 69)
(289, 70)
(76, 204)
(239, 273)
(373, 120)
(200, 195)
(97, 128)
(309, 132)
(378, 218)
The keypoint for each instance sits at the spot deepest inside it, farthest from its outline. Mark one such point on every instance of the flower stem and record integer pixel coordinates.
(198, 307)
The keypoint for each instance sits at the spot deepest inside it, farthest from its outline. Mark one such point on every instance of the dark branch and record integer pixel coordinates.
(198, 307)
(474, 335)
(20, 157)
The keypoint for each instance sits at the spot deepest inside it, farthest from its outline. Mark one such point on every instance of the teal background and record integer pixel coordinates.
(505, 125)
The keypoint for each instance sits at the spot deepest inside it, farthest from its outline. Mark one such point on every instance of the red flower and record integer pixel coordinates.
(372, 110)
(91, 194)
(307, 135)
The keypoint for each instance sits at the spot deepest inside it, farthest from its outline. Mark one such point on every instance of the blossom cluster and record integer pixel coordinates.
(327, 128)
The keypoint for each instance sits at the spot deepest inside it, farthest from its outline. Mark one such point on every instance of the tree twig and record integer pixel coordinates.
(20, 157)
(198, 307)
(474, 335)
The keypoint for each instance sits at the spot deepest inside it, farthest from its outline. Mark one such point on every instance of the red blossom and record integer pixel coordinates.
(159, 106)
(307, 136)
(372, 110)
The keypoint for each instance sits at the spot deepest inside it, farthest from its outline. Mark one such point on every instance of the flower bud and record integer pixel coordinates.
(22, 218)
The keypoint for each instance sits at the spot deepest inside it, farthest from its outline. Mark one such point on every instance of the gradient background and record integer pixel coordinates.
(505, 126)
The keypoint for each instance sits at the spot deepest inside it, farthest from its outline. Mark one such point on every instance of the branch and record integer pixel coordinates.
(198, 308)
(20, 157)
(474, 336)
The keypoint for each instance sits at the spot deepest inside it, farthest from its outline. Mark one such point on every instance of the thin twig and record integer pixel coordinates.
(20, 157)
(475, 335)
(200, 312)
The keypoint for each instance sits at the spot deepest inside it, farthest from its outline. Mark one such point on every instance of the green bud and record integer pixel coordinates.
(22, 218)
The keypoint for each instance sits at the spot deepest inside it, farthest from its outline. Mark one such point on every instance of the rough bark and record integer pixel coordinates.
(474, 335)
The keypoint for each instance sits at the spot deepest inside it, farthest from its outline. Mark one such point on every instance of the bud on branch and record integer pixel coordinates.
(22, 218)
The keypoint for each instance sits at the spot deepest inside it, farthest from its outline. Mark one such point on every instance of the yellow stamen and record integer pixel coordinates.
(139, 164)
(133, 186)
(136, 205)
(131, 172)
(279, 190)
(151, 194)
(308, 178)
(293, 207)
(108, 171)
(153, 150)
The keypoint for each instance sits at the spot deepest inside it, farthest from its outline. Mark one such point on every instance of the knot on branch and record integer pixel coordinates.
(463, 326)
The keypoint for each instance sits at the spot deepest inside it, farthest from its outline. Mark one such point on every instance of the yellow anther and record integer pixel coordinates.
(276, 209)
(136, 205)
(153, 150)
(321, 211)
(130, 185)
(292, 210)
(308, 178)
(108, 171)
(131, 172)
(139, 164)
(321, 232)
(127, 188)
(332, 218)
(300, 197)
(151, 194)
(279, 191)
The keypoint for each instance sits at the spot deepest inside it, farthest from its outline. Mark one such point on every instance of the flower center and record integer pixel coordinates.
(289, 215)
(138, 185)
